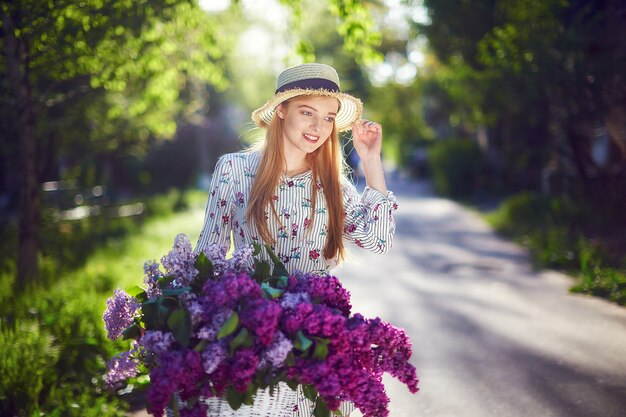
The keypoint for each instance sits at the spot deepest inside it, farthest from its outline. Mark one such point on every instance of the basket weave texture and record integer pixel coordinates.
(280, 404)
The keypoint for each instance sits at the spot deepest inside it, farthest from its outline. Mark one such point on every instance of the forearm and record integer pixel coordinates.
(374, 174)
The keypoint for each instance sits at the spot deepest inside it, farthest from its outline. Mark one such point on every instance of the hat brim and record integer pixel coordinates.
(350, 108)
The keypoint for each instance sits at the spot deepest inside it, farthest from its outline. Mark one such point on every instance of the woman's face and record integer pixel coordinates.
(308, 122)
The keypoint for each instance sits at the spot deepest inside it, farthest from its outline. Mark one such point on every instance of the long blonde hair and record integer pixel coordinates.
(327, 167)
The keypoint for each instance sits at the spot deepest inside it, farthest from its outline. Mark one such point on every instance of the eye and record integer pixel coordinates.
(329, 119)
(306, 113)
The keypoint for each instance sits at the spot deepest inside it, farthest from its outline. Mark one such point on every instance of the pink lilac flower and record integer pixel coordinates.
(120, 368)
(120, 313)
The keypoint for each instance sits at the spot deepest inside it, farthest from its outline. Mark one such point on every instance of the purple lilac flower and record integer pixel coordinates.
(278, 350)
(152, 274)
(217, 255)
(242, 259)
(196, 310)
(156, 341)
(292, 322)
(176, 371)
(179, 262)
(220, 317)
(230, 288)
(213, 356)
(120, 313)
(120, 368)
(324, 289)
(292, 299)
(207, 333)
(244, 364)
(261, 316)
(324, 322)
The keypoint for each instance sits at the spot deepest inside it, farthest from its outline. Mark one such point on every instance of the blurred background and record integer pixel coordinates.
(113, 114)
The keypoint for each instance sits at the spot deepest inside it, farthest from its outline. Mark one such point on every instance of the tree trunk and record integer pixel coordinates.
(17, 65)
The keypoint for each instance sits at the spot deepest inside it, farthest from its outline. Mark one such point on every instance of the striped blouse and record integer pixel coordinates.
(299, 244)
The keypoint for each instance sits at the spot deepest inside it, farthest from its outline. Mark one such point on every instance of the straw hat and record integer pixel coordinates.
(310, 79)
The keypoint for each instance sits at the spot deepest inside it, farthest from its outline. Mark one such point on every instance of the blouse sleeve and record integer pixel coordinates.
(369, 221)
(218, 215)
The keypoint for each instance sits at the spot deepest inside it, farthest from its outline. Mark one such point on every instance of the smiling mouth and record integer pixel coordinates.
(310, 138)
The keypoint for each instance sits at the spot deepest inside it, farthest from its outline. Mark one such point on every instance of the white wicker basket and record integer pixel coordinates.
(280, 404)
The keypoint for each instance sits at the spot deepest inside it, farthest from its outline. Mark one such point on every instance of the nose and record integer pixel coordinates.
(315, 123)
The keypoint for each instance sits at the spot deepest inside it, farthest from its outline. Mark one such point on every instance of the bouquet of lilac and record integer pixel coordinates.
(208, 326)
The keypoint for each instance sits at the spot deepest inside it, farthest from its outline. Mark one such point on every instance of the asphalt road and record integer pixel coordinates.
(491, 336)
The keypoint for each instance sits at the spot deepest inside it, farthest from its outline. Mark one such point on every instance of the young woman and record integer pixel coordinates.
(291, 192)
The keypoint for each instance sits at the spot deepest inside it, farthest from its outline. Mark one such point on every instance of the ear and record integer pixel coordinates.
(280, 112)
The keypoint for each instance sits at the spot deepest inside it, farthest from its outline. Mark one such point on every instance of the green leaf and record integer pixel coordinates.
(249, 394)
(204, 266)
(229, 326)
(201, 345)
(132, 332)
(179, 322)
(280, 270)
(270, 291)
(291, 359)
(292, 384)
(257, 249)
(301, 342)
(321, 349)
(321, 408)
(261, 270)
(243, 338)
(163, 282)
(272, 255)
(137, 292)
(309, 392)
(234, 398)
(279, 267)
(174, 292)
(282, 281)
(150, 312)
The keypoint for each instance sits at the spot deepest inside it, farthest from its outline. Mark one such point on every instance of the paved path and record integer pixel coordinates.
(492, 337)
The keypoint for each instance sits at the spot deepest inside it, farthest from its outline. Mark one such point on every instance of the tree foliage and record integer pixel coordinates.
(545, 76)
(87, 83)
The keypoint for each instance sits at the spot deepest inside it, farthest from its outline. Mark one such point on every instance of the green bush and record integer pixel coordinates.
(553, 228)
(598, 280)
(53, 347)
(54, 354)
(458, 167)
